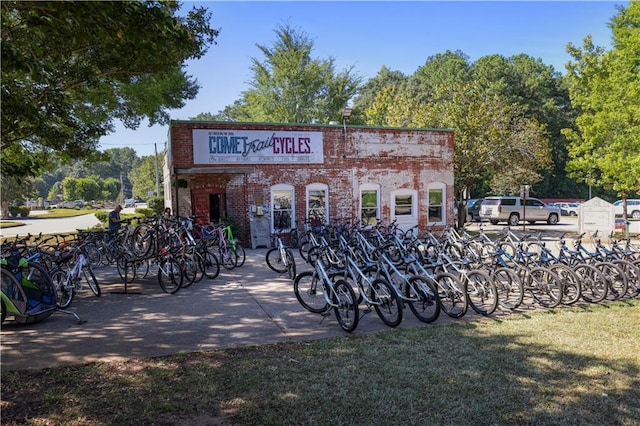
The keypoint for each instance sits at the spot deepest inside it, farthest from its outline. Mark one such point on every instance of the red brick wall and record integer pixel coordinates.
(394, 158)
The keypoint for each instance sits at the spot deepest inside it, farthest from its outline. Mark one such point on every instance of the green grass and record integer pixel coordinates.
(577, 366)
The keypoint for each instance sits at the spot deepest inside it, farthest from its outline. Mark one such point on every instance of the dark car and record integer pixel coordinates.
(473, 209)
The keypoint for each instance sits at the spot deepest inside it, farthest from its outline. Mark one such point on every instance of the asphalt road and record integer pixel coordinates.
(37, 222)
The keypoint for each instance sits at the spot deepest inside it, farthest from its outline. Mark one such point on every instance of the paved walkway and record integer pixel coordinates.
(250, 305)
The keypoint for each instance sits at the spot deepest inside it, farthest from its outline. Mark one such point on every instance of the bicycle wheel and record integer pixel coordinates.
(386, 302)
(64, 293)
(142, 240)
(423, 298)
(90, 279)
(452, 296)
(509, 287)
(126, 269)
(275, 261)
(545, 287)
(346, 310)
(142, 268)
(633, 276)
(291, 265)
(189, 266)
(309, 292)
(92, 254)
(211, 264)
(593, 282)
(571, 287)
(227, 258)
(241, 256)
(170, 275)
(616, 278)
(481, 292)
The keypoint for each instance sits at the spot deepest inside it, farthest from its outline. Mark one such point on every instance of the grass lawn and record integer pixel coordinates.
(578, 366)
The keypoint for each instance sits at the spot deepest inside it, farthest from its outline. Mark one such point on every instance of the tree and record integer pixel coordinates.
(143, 177)
(69, 69)
(384, 80)
(605, 87)
(528, 82)
(289, 86)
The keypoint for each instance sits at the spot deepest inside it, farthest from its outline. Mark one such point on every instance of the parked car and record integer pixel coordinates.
(633, 208)
(568, 209)
(473, 209)
(513, 210)
(129, 202)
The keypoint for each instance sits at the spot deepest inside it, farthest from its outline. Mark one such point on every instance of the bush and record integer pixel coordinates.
(156, 204)
(22, 211)
(102, 216)
(146, 211)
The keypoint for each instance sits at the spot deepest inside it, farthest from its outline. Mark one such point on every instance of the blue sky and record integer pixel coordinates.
(370, 34)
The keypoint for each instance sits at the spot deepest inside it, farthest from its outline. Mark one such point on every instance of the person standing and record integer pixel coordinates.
(114, 219)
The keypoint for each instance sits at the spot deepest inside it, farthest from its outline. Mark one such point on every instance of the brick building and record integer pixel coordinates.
(277, 175)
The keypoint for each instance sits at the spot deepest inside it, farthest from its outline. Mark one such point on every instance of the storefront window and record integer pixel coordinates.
(403, 205)
(369, 204)
(318, 204)
(282, 203)
(436, 206)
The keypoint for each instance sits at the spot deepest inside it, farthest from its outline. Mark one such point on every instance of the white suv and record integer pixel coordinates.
(512, 210)
(633, 208)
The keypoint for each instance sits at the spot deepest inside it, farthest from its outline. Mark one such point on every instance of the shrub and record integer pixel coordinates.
(102, 215)
(146, 211)
(24, 211)
(156, 204)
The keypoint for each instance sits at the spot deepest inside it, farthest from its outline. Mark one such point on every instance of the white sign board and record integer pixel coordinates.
(596, 215)
(237, 147)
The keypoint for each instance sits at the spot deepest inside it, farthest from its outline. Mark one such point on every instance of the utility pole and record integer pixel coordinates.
(155, 147)
(121, 190)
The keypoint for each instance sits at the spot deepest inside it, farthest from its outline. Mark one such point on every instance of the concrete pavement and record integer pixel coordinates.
(250, 305)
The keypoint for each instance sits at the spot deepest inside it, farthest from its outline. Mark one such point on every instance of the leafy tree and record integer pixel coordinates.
(143, 177)
(110, 189)
(528, 82)
(605, 87)
(69, 69)
(289, 86)
(89, 188)
(370, 89)
(70, 189)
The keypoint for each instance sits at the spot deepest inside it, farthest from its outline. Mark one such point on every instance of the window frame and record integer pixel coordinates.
(317, 187)
(369, 187)
(292, 217)
(442, 187)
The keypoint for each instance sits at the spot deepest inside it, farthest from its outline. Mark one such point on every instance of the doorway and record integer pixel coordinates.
(215, 207)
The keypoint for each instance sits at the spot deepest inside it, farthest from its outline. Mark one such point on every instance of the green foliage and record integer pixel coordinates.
(605, 88)
(145, 211)
(22, 211)
(102, 215)
(143, 177)
(289, 86)
(69, 69)
(156, 204)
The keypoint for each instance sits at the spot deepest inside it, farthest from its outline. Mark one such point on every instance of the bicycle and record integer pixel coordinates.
(280, 258)
(318, 293)
(70, 281)
(170, 271)
(376, 292)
